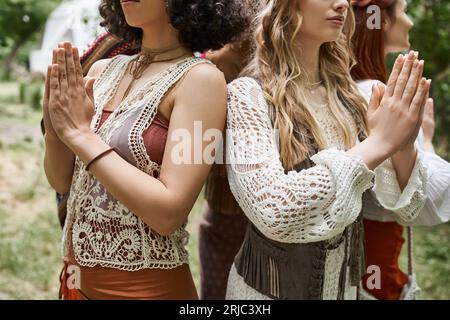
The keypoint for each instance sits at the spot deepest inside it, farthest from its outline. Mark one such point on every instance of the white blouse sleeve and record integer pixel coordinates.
(296, 207)
(437, 205)
(405, 205)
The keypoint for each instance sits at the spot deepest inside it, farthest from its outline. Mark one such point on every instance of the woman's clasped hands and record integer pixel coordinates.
(396, 110)
(68, 104)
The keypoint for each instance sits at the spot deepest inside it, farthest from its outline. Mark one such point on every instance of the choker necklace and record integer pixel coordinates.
(147, 56)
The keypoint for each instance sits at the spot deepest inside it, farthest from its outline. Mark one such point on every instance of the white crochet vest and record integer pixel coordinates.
(100, 229)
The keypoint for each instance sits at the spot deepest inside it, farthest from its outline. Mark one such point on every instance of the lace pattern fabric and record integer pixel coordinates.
(406, 204)
(101, 230)
(296, 207)
(398, 205)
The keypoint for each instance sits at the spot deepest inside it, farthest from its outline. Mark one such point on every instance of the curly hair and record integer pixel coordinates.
(202, 24)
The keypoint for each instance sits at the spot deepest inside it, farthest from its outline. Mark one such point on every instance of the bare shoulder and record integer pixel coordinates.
(203, 92)
(206, 78)
(98, 67)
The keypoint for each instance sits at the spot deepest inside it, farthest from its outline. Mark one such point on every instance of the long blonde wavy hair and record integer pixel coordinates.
(277, 64)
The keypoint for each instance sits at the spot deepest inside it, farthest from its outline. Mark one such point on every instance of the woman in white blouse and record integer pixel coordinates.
(305, 217)
(383, 231)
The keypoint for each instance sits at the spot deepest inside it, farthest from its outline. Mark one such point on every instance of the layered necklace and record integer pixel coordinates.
(147, 56)
(315, 96)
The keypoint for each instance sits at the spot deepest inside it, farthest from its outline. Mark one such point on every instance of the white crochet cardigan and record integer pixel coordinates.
(311, 205)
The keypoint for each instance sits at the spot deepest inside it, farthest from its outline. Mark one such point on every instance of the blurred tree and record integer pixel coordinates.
(20, 20)
(431, 37)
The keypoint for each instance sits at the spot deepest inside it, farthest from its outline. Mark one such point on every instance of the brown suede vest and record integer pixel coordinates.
(296, 271)
(284, 270)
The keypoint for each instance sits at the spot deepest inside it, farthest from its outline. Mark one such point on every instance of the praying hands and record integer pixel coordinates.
(68, 101)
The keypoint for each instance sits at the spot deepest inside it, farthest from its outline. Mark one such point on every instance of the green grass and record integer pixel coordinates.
(431, 256)
(9, 90)
(14, 113)
(194, 219)
(11, 111)
(29, 232)
(29, 254)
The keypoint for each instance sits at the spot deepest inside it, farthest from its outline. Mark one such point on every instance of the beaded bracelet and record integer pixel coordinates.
(98, 157)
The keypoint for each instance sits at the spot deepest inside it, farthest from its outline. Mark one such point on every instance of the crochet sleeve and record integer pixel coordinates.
(295, 207)
(437, 205)
(405, 205)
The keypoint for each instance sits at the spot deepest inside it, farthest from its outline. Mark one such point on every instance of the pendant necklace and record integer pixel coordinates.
(147, 56)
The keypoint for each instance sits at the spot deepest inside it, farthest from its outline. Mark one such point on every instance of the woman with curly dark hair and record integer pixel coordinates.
(113, 141)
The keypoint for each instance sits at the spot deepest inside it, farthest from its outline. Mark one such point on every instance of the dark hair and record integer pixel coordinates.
(245, 44)
(202, 24)
(368, 44)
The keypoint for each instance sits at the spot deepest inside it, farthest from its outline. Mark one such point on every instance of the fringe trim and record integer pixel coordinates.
(259, 269)
(273, 269)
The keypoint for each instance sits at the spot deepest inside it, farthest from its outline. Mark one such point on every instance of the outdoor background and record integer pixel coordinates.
(30, 259)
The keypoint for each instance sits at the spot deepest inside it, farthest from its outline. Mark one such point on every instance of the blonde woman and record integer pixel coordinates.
(305, 199)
